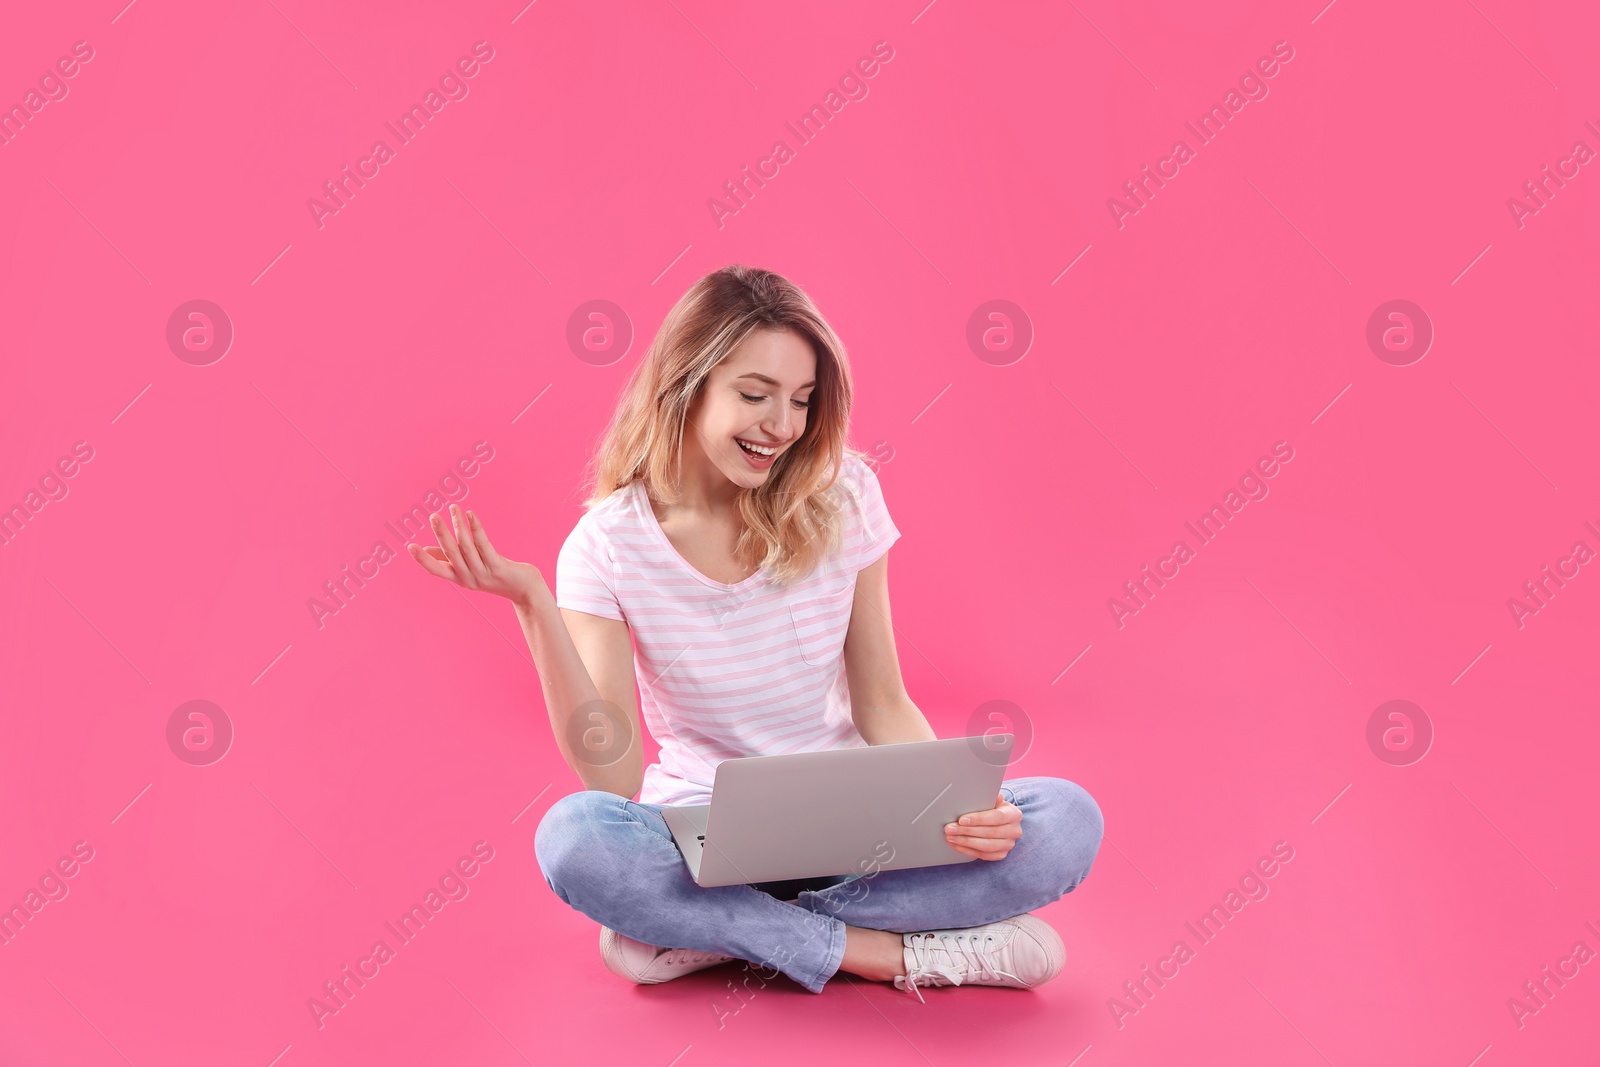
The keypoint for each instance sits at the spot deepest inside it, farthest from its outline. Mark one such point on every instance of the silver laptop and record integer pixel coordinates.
(841, 811)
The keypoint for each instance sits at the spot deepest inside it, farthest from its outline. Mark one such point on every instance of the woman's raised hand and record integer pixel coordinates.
(465, 556)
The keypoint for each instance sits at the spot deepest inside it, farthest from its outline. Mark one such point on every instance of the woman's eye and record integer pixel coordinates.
(759, 399)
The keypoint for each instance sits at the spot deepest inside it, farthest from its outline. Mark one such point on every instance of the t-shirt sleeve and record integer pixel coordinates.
(871, 530)
(585, 574)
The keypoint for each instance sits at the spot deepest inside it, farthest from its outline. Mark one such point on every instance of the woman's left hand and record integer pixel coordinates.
(988, 835)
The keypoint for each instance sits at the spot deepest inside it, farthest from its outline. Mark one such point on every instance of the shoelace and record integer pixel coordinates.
(675, 956)
(960, 963)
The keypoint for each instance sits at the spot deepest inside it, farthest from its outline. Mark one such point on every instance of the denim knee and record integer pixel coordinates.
(566, 835)
(1068, 839)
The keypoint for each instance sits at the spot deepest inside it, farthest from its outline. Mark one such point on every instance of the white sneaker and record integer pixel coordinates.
(1020, 952)
(648, 964)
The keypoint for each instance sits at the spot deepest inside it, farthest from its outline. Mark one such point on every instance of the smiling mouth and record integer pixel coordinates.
(767, 453)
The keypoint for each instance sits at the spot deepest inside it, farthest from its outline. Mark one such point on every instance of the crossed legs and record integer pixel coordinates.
(614, 860)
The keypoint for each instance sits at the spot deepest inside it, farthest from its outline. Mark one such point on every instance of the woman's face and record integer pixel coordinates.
(758, 396)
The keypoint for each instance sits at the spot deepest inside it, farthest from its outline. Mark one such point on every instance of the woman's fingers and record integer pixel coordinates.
(467, 544)
(988, 835)
(981, 852)
(441, 532)
(432, 560)
(999, 815)
(466, 557)
(973, 853)
(480, 538)
(1001, 834)
(448, 543)
(982, 844)
(1010, 828)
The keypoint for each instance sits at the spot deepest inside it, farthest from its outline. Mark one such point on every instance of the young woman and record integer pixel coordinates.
(732, 569)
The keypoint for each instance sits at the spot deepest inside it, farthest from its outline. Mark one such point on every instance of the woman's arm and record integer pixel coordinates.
(885, 715)
(879, 704)
(585, 666)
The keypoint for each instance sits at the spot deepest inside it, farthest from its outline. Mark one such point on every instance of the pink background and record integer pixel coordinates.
(432, 310)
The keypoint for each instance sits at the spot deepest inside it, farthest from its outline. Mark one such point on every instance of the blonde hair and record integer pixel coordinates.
(792, 521)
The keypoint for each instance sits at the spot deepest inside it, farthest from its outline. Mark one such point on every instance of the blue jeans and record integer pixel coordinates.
(614, 860)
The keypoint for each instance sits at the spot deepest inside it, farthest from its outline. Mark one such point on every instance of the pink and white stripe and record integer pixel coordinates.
(725, 670)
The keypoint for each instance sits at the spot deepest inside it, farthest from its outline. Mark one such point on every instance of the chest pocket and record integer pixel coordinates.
(821, 618)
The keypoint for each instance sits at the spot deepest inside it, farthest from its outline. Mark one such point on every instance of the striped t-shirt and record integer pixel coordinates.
(748, 669)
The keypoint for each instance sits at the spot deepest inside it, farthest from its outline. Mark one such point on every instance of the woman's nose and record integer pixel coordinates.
(778, 425)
